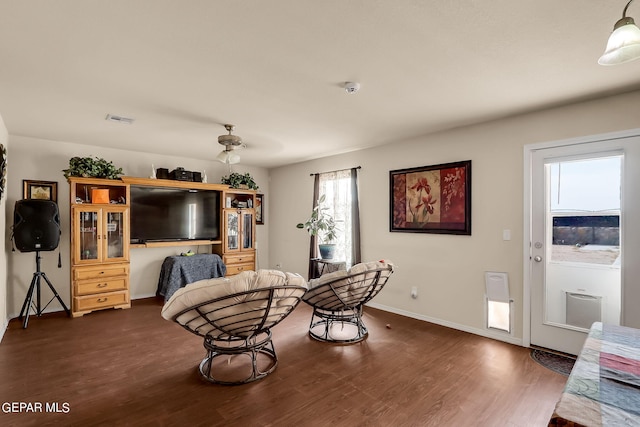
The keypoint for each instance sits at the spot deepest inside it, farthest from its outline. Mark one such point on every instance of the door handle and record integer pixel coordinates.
(537, 258)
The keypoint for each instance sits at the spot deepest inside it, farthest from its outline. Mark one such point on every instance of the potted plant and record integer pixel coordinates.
(88, 167)
(238, 180)
(321, 224)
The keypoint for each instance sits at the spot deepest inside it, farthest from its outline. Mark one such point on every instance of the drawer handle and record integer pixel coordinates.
(240, 268)
(102, 272)
(103, 299)
(102, 285)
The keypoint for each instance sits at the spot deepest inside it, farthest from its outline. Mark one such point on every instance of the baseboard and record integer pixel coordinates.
(143, 296)
(45, 311)
(482, 332)
(57, 309)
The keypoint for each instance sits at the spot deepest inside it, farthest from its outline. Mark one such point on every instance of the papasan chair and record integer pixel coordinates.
(338, 298)
(234, 316)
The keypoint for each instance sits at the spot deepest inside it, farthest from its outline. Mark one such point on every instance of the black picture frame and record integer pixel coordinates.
(259, 209)
(3, 169)
(431, 199)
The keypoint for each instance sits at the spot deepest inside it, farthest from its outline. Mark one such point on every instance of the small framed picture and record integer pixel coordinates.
(40, 190)
(259, 208)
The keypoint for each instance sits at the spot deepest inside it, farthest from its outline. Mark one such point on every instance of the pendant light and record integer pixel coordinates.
(624, 42)
(230, 142)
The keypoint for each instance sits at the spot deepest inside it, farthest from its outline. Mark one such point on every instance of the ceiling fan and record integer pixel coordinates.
(231, 143)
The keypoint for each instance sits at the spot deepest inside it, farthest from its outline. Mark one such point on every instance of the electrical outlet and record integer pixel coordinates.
(414, 292)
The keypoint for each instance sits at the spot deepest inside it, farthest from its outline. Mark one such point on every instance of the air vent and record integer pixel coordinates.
(119, 119)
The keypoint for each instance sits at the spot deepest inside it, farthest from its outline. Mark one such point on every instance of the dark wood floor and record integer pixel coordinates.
(131, 367)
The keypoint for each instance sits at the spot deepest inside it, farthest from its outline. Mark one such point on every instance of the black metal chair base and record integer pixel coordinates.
(341, 327)
(258, 349)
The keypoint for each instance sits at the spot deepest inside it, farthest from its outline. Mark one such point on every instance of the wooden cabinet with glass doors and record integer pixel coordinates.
(238, 249)
(99, 245)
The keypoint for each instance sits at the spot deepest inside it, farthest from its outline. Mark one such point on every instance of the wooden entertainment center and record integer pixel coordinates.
(100, 219)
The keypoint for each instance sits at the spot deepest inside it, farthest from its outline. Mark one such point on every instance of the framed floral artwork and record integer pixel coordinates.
(431, 199)
(42, 190)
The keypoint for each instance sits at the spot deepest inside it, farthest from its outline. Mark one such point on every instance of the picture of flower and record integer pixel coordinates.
(432, 199)
(423, 189)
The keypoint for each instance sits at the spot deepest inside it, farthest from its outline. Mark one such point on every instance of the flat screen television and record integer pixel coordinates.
(174, 214)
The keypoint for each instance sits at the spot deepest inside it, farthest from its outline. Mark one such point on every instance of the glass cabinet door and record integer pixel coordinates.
(247, 230)
(101, 234)
(114, 226)
(233, 230)
(89, 238)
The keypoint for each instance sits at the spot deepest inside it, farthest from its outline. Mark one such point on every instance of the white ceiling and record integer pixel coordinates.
(276, 70)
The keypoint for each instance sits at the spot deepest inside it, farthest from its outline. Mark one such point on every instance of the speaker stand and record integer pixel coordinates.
(35, 288)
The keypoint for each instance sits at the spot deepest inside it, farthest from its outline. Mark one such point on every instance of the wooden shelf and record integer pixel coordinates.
(99, 246)
(81, 188)
(177, 243)
(149, 182)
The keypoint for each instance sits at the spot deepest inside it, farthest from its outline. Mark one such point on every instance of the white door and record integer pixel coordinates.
(578, 236)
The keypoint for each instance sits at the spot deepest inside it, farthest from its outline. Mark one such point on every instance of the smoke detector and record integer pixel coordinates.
(351, 87)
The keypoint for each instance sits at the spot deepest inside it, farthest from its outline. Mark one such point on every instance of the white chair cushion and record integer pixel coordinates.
(244, 312)
(329, 277)
(349, 286)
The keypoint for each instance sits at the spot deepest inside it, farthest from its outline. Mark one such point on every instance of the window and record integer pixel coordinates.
(585, 210)
(336, 188)
(340, 192)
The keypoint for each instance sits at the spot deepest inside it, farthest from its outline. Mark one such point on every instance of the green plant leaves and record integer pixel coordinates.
(235, 180)
(320, 223)
(89, 167)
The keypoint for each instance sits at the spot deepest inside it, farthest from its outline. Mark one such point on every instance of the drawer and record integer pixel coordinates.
(239, 258)
(101, 286)
(106, 300)
(238, 268)
(100, 271)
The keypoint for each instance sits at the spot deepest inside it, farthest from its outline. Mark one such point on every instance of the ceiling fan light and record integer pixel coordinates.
(222, 157)
(228, 157)
(623, 45)
(230, 143)
(233, 158)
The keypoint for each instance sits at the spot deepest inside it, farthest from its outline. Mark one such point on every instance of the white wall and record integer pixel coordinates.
(4, 140)
(44, 160)
(448, 270)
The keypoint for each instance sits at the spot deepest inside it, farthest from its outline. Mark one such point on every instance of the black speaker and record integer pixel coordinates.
(36, 225)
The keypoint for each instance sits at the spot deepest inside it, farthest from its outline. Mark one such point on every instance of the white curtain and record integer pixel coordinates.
(336, 187)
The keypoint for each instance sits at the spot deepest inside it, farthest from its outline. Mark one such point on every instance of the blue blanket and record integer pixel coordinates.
(179, 271)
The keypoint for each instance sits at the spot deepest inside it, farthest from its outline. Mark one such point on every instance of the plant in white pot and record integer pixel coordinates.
(321, 224)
